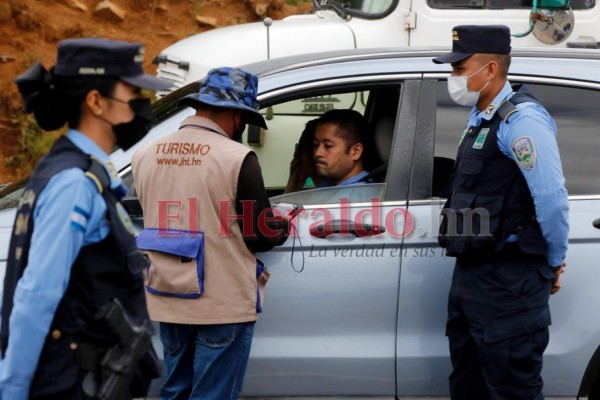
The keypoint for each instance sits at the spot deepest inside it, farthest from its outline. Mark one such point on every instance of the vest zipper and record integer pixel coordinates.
(462, 157)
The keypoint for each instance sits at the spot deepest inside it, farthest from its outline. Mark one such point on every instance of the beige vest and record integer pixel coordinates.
(188, 180)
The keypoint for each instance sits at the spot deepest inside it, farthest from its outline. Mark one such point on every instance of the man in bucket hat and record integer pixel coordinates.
(509, 256)
(202, 194)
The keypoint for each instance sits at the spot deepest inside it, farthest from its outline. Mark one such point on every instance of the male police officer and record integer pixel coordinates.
(505, 222)
(72, 256)
(206, 214)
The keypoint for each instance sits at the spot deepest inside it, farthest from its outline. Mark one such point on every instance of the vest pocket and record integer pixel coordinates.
(58, 367)
(530, 239)
(469, 170)
(470, 222)
(486, 216)
(177, 262)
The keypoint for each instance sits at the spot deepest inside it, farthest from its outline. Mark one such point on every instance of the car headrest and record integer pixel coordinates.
(383, 133)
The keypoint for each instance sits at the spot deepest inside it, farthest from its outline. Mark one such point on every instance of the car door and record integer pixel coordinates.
(422, 358)
(423, 364)
(329, 319)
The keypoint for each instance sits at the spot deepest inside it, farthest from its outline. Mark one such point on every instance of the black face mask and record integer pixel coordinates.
(129, 133)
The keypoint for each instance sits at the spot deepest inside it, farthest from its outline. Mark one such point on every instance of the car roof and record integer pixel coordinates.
(420, 60)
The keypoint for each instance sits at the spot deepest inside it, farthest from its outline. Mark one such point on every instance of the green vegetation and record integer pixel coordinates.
(33, 142)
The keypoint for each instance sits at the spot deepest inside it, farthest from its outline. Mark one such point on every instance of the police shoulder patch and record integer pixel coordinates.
(523, 149)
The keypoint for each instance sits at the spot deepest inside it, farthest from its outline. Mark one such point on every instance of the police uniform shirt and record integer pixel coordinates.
(69, 214)
(529, 138)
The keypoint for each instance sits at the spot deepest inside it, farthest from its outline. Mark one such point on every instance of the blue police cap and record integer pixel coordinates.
(229, 88)
(470, 39)
(104, 57)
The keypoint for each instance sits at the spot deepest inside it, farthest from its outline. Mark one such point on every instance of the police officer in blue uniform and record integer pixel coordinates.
(72, 252)
(506, 222)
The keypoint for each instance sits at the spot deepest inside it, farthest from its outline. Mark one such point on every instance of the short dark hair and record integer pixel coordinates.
(351, 125)
(503, 61)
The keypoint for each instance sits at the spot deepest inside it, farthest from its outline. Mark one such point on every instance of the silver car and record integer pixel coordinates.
(356, 304)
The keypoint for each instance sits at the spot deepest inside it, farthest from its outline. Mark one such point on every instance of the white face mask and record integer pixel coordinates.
(460, 93)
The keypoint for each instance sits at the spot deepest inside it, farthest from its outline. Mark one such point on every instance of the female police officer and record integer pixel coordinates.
(72, 252)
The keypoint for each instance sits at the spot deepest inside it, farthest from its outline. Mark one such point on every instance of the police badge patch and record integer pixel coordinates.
(523, 150)
(481, 138)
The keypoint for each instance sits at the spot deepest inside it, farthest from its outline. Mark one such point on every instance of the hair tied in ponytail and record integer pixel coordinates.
(33, 82)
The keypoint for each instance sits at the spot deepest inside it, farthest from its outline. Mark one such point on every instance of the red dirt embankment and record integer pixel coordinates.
(31, 29)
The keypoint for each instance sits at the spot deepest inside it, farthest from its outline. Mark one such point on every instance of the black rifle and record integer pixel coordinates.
(118, 365)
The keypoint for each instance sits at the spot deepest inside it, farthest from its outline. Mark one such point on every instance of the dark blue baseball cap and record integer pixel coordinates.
(470, 39)
(229, 88)
(104, 57)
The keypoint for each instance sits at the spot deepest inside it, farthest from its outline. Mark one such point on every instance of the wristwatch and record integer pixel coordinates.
(557, 268)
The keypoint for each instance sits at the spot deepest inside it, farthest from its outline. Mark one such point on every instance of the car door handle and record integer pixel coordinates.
(345, 227)
(596, 223)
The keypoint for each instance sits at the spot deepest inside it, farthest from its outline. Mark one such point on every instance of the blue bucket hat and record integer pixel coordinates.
(105, 57)
(229, 88)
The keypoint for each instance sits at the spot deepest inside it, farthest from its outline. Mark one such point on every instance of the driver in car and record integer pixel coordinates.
(340, 145)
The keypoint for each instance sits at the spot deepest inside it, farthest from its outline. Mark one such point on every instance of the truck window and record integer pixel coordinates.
(367, 6)
(501, 4)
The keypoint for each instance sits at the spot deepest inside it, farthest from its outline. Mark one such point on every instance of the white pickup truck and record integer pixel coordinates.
(337, 25)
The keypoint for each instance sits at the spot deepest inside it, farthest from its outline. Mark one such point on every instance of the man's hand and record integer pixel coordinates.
(556, 280)
(295, 181)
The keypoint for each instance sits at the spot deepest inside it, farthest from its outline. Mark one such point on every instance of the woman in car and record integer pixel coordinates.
(302, 168)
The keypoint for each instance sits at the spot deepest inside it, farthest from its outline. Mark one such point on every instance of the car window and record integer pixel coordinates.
(575, 112)
(286, 121)
(501, 4)
(350, 193)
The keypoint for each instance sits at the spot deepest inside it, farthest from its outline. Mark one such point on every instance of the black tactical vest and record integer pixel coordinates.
(490, 199)
(111, 268)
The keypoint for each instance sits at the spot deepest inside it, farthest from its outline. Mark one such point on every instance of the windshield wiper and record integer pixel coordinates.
(319, 4)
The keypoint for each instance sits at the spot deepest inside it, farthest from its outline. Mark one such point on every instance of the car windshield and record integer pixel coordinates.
(371, 7)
